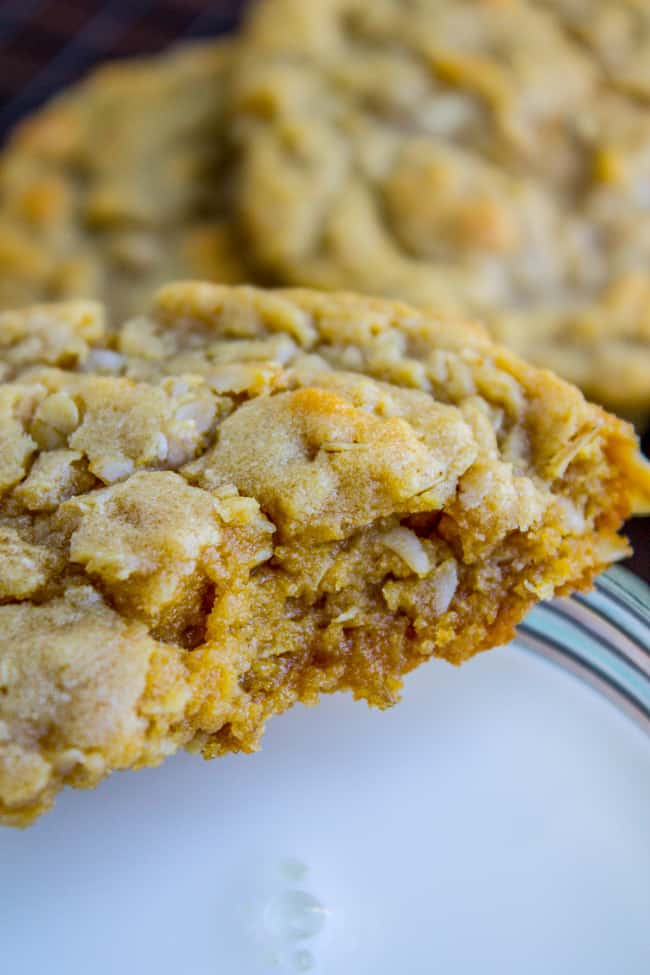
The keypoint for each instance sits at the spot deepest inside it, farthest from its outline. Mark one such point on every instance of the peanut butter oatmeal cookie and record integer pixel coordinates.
(247, 498)
(115, 187)
(618, 32)
(470, 156)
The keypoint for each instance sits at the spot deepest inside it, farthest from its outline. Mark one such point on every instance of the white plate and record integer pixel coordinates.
(497, 821)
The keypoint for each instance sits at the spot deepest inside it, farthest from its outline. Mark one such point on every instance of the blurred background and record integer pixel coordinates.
(46, 45)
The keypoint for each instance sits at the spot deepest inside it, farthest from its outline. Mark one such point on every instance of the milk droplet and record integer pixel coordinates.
(303, 960)
(294, 869)
(294, 915)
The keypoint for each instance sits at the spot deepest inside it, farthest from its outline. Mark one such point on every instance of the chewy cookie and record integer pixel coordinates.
(470, 156)
(242, 499)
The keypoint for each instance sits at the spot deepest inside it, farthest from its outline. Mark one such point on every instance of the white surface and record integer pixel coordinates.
(497, 821)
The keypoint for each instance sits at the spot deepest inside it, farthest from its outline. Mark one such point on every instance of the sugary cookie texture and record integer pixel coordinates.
(484, 157)
(242, 499)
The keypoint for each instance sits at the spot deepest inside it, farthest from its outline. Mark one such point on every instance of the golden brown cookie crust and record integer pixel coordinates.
(471, 156)
(244, 498)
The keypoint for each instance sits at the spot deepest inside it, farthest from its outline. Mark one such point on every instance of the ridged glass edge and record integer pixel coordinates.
(602, 636)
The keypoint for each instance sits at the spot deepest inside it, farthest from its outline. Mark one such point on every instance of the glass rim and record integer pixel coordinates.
(602, 636)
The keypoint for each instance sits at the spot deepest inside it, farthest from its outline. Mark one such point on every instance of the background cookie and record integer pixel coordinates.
(618, 32)
(115, 187)
(466, 156)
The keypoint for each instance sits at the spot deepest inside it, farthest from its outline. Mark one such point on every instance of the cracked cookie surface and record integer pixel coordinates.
(481, 157)
(244, 498)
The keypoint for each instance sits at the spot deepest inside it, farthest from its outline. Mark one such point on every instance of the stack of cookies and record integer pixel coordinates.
(225, 499)
(483, 158)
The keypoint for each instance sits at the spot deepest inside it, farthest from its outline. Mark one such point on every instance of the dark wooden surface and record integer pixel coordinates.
(47, 44)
